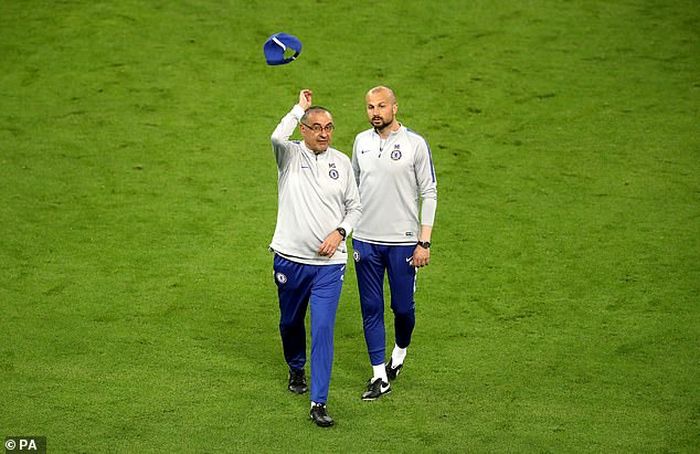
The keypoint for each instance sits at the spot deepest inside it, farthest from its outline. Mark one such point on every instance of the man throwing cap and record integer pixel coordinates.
(318, 205)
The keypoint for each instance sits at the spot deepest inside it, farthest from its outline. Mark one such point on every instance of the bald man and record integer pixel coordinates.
(394, 171)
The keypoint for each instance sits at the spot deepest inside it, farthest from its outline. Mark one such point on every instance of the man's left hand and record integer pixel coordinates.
(330, 244)
(421, 257)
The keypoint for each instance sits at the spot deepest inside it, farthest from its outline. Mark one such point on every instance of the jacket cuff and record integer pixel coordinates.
(298, 111)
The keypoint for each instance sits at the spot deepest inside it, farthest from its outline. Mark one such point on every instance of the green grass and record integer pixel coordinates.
(560, 310)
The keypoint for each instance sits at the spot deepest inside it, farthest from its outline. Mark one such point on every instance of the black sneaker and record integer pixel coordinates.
(376, 389)
(319, 415)
(297, 381)
(391, 371)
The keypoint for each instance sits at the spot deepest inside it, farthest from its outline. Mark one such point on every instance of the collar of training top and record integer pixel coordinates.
(391, 133)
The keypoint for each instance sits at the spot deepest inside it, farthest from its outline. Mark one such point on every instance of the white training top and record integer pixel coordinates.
(392, 175)
(316, 195)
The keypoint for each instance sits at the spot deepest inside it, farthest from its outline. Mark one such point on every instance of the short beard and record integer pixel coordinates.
(383, 126)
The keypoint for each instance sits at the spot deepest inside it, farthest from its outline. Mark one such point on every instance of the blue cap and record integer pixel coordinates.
(277, 44)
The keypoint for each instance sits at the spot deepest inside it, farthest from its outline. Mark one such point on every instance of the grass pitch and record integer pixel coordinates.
(560, 311)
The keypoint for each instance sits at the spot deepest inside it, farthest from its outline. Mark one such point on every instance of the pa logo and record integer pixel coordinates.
(396, 154)
(356, 256)
(281, 278)
(26, 443)
(333, 174)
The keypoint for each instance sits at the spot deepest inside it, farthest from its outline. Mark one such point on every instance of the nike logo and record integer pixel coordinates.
(383, 388)
(365, 151)
(409, 259)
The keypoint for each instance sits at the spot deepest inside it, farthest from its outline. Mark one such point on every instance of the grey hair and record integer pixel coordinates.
(313, 109)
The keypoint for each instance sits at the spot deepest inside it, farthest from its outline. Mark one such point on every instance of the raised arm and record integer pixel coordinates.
(285, 128)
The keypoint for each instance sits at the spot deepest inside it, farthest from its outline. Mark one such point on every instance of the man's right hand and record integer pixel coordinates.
(305, 99)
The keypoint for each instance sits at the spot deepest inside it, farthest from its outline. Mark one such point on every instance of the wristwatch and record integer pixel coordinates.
(342, 232)
(424, 244)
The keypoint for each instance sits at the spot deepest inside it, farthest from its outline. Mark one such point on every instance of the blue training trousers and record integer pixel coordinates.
(371, 262)
(297, 285)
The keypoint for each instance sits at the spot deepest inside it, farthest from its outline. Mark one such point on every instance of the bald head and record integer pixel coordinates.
(384, 92)
(381, 109)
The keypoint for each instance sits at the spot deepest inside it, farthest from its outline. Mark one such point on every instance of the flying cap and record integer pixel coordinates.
(277, 44)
